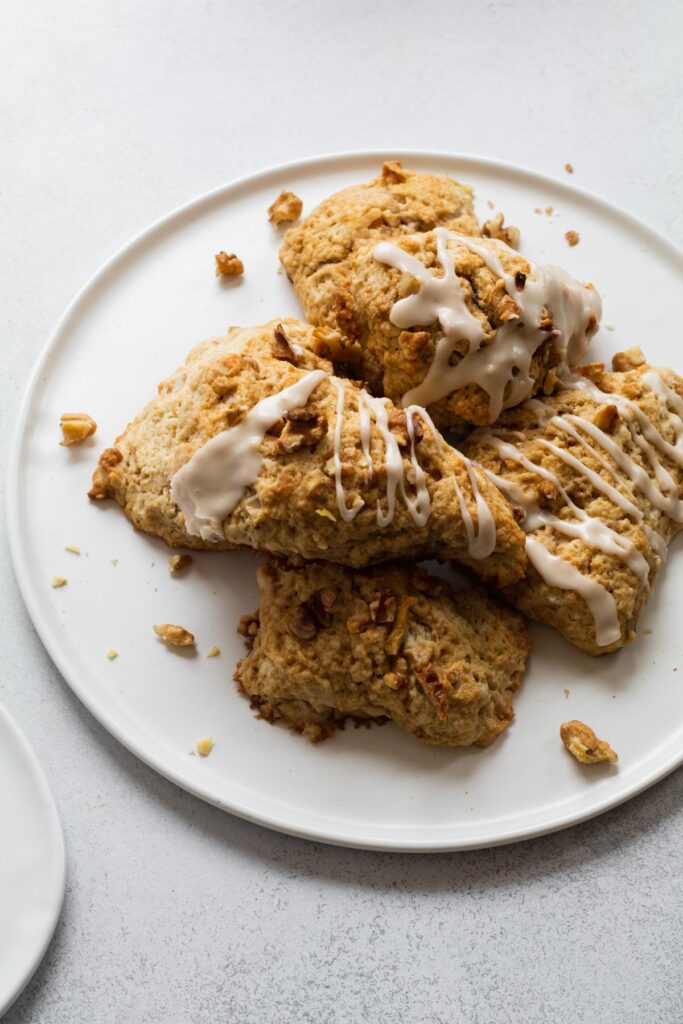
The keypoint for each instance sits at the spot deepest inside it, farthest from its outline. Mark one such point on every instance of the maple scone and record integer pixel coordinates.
(398, 202)
(594, 474)
(329, 644)
(254, 443)
(463, 326)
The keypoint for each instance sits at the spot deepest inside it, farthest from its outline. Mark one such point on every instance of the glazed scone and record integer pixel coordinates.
(594, 473)
(463, 326)
(398, 202)
(330, 644)
(253, 443)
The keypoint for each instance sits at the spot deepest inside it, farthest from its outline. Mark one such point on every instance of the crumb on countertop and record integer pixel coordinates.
(580, 740)
(228, 264)
(569, 169)
(205, 746)
(59, 581)
(286, 208)
(176, 636)
(572, 237)
(214, 652)
(112, 653)
(177, 563)
(76, 426)
(72, 548)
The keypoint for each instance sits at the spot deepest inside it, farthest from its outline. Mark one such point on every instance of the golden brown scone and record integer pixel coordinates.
(311, 469)
(396, 203)
(592, 565)
(330, 644)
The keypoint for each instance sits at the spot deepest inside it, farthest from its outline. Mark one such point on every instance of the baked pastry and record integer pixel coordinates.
(330, 644)
(463, 326)
(252, 442)
(594, 473)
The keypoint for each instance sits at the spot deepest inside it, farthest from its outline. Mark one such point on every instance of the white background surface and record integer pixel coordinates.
(113, 113)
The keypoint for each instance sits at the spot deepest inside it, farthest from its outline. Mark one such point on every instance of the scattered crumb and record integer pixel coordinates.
(537, 209)
(228, 264)
(76, 426)
(59, 581)
(177, 563)
(495, 228)
(647, 632)
(287, 207)
(572, 237)
(214, 652)
(72, 548)
(566, 693)
(580, 740)
(205, 746)
(176, 636)
(490, 204)
(112, 653)
(609, 327)
(326, 514)
(569, 169)
(549, 210)
(114, 561)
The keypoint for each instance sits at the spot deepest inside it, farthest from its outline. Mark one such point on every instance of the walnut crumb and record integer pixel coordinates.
(205, 746)
(76, 426)
(569, 169)
(112, 653)
(392, 172)
(177, 563)
(630, 359)
(59, 581)
(228, 264)
(72, 548)
(580, 740)
(549, 210)
(114, 561)
(572, 237)
(537, 209)
(286, 208)
(214, 652)
(496, 228)
(606, 417)
(325, 513)
(176, 636)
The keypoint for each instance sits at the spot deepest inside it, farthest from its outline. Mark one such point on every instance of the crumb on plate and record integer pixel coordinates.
(228, 264)
(114, 561)
(177, 563)
(572, 237)
(112, 653)
(59, 581)
(72, 548)
(287, 207)
(549, 210)
(214, 652)
(205, 746)
(176, 636)
(566, 693)
(569, 169)
(495, 228)
(580, 740)
(76, 426)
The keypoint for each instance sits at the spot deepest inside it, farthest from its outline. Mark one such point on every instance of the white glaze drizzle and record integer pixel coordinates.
(347, 514)
(505, 364)
(208, 487)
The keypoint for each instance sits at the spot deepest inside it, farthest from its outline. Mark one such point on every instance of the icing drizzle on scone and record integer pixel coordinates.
(550, 304)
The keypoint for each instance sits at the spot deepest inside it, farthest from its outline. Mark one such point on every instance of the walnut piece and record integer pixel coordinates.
(302, 625)
(572, 237)
(436, 690)
(280, 346)
(177, 563)
(383, 609)
(394, 642)
(569, 169)
(397, 421)
(631, 359)
(205, 746)
(547, 492)
(332, 345)
(287, 207)
(76, 426)
(392, 172)
(605, 418)
(580, 740)
(175, 636)
(303, 429)
(228, 264)
(495, 228)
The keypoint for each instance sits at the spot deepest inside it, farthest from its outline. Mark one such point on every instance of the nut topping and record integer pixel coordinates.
(495, 229)
(302, 625)
(286, 208)
(228, 264)
(76, 426)
(394, 642)
(281, 347)
(436, 690)
(580, 740)
(606, 417)
(383, 608)
(175, 636)
(303, 428)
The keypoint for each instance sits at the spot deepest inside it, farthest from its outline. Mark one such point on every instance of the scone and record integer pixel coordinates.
(463, 326)
(330, 644)
(254, 443)
(594, 474)
(398, 202)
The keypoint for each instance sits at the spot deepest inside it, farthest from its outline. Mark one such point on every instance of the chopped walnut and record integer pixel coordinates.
(175, 636)
(228, 264)
(248, 627)
(631, 359)
(320, 605)
(436, 690)
(76, 426)
(572, 237)
(547, 492)
(109, 458)
(177, 563)
(495, 229)
(330, 344)
(549, 210)
(606, 417)
(383, 609)
(394, 642)
(397, 421)
(325, 513)
(205, 746)
(518, 513)
(580, 740)
(280, 346)
(302, 625)
(287, 207)
(569, 169)
(392, 172)
(214, 652)
(59, 581)
(303, 429)
(550, 382)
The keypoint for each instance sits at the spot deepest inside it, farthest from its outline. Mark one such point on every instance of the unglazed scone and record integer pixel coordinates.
(594, 473)
(398, 202)
(330, 644)
(253, 443)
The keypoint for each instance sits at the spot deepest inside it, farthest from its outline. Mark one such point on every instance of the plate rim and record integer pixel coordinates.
(55, 828)
(72, 678)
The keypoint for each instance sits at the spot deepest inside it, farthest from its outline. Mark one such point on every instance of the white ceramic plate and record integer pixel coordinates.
(32, 867)
(130, 326)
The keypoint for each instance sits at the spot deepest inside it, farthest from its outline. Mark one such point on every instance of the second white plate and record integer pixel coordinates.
(131, 325)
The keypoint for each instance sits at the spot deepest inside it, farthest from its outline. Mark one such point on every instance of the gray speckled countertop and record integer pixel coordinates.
(115, 111)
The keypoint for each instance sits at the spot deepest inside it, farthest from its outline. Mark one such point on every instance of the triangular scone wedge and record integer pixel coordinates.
(594, 473)
(278, 455)
(330, 643)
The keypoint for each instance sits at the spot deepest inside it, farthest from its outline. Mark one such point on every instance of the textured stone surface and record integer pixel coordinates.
(174, 911)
